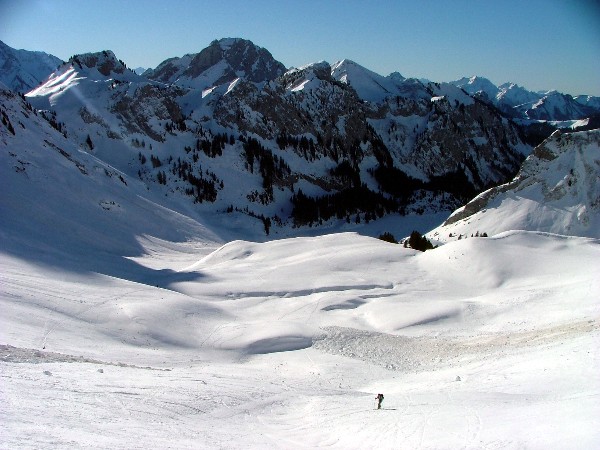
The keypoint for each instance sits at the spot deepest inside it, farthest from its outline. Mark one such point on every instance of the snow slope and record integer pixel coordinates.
(23, 70)
(127, 325)
(368, 85)
(557, 190)
(285, 344)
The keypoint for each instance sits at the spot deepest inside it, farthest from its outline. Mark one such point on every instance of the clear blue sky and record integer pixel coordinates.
(539, 44)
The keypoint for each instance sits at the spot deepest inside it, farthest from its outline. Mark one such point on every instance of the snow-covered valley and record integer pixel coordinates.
(132, 317)
(482, 343)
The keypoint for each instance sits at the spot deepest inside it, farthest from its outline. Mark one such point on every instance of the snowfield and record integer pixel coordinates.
(482, 343)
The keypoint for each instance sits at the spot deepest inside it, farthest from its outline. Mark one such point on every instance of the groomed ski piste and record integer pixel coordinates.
(127, 325)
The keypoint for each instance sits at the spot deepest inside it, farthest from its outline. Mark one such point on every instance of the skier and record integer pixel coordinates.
(379, 400)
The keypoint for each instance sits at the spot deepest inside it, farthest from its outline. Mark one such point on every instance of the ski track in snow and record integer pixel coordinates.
(272, 412)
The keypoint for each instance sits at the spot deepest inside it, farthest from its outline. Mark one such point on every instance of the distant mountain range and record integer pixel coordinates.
(518, 102)
(23, 70)
(229, 131)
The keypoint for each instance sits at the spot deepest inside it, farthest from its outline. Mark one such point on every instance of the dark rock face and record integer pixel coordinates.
(106, 62)
(239, 58)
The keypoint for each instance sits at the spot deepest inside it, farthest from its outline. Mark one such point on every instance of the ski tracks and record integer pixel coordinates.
(417, 424)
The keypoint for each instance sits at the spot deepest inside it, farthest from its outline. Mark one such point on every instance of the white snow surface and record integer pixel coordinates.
(125, 324)
(368, 85)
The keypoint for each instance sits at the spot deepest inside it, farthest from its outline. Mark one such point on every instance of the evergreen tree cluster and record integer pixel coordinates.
(178, 125)
(418, 242)
(155, 161)
(402, 186)
(346, 173)
(455, 182)
(271, 167)
(203, 189)
(214, 147)
(7, 124)
(50, 117)
(350, 201)
(395, 182)
(265, 220)
(137, 143)
(397, 190)
(388, 237)
(204, 185)
(331, 145)
(89, 143)
(302, 145)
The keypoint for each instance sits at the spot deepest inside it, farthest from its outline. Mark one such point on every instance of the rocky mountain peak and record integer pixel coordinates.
(396, 76)
(105, 62)
(221, 62)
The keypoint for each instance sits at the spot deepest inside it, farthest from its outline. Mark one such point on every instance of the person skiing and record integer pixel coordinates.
(379, 400)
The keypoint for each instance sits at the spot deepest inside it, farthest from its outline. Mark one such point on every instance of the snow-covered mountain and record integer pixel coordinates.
(478, 86)
(588, 100)
(519, 102)
(229, 131)
(369, 85)
(318, 145)
(557, 191)
(221, 62)
(554, 106)
(22, 70)
(140, 70)
(125, 306)
(57, 192)
(120, 313)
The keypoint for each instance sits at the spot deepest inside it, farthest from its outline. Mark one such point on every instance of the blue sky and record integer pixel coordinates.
(539, 44)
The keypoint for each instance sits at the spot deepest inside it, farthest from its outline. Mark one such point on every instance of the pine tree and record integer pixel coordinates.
(388, 237)
(419, 242)
(89, 142)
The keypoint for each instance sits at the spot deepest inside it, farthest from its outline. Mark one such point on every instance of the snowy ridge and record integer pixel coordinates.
(521, 103)
(82, 194)
(22, 70)
(478, 86)
(198, 115)
(588, 100)
(368, 85)
(557, 190)
(556, 106)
